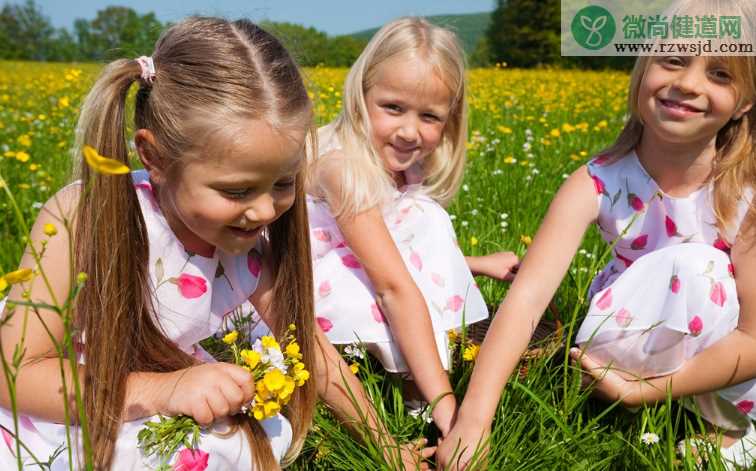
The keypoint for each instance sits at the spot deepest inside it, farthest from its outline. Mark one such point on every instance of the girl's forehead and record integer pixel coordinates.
(412, 75)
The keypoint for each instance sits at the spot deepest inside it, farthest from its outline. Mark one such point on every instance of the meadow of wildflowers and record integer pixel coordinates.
(529, 129)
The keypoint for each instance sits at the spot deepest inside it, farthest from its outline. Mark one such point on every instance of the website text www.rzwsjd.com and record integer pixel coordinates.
(692, 48)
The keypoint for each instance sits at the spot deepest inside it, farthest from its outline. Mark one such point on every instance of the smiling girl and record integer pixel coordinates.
(387, 268)
(674, 311)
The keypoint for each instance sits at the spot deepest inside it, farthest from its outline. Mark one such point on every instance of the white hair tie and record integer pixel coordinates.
(148, 68)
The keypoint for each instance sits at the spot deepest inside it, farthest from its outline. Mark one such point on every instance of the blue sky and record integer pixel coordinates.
(331, 16)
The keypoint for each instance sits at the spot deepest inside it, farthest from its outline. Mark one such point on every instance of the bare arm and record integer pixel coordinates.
(727, 362)
(398, 297)
(39, 383)
(548, 258)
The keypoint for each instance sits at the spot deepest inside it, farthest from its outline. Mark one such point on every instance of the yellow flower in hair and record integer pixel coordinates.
(258, 412)
(292, 327)
(274, 381)
(355, 367)
(102, 164)
(230, 337)
(262, 392)
(250, 357)
(19, 276)
(3, 284)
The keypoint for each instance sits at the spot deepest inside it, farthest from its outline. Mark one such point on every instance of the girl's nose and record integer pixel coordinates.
(408, 130)
(690, 79)
(262, 209)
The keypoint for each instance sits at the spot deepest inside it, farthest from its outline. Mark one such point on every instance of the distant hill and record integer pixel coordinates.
(469, 27)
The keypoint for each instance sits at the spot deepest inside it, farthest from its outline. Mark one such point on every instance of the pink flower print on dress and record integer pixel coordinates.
(191, 460)
(635, 202)
(324, 289)
(341, 245)
(190, 286)
(623, 317)
(8, 438)
(640, 242)
(321, 235)
(695, 326)
(150, 193)
(605, 301)
(745, 406)
(717, 294)
(27, 423)
(416, 261)
(731, 269)
(626, 261)
(254, 262)
(601, 160)
(377, 314)
(324, 323)
(438, 279)
(599, 184)
(671, 227)
(402, 215)
(722, 245)
(350, 261)
(674, 284)
(454, 303)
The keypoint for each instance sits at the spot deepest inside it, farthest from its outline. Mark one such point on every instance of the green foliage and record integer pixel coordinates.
(525, 33)
(470, 28)
(311, 47)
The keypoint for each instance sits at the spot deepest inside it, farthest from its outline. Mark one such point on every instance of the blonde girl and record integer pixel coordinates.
(388, 272)
(676, 305)
(216, 219)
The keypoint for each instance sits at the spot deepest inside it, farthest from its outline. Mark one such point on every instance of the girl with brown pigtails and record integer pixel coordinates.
(216, 219)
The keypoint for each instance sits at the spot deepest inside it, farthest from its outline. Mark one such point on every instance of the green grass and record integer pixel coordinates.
(517, 160)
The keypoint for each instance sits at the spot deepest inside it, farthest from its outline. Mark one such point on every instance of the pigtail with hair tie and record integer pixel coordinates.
(148, 68)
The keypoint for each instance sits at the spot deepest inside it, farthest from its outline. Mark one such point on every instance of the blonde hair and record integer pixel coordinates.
(210, 72)
(364, 180)
(734, 167)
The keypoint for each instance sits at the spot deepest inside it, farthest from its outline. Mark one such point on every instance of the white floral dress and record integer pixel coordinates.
(345, 303)
(192, 296)
(669, 290)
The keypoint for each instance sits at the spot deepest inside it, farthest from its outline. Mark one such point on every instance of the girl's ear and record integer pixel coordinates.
(743, 110)
(144, 141)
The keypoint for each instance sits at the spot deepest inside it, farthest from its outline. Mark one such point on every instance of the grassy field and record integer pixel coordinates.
(528, 131)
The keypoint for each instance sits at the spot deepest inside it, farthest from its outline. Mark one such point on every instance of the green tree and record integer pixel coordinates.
(343, 50)
(25, 32)
(308, 45)
(117, 32)
(525, 33)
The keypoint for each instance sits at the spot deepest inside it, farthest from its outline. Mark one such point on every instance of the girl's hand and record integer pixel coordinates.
(412, 456)
(205, 392)
(500, 266)
(456, 450)
(607, 383)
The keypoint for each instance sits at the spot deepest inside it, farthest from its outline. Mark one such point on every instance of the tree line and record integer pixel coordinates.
(520, 33)
(27, 34)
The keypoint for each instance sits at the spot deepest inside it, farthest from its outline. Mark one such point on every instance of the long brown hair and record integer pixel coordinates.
(206, 67)
(733, 173)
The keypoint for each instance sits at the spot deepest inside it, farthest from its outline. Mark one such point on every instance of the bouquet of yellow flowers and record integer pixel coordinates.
(277, 372)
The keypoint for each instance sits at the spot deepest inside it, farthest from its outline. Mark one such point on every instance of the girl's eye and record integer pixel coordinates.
(285, 184)
(672, 61)
(721, 76)
(393, 108)
(236, 194)
(431, 117)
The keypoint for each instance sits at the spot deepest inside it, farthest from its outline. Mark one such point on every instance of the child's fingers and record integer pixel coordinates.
(240, 375)
(218, 403)
(427, 452)
(202, 413)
